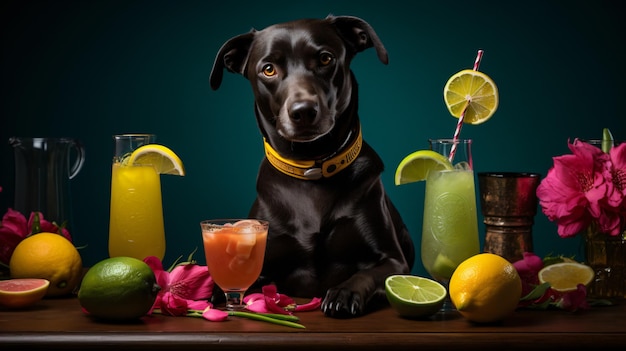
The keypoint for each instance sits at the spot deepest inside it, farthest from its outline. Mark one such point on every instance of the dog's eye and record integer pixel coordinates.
(268, 70)
(326, 58)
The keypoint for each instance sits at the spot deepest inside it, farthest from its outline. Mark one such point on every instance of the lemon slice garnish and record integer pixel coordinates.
(474, 92)
(164, 160)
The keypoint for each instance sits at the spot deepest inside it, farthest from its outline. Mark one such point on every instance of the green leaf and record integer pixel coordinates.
(36, 228)
(174, 264)
(190, 260)
(607, 140)
(537, 292)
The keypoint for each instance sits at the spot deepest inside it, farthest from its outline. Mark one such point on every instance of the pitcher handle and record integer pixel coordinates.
(80, 158)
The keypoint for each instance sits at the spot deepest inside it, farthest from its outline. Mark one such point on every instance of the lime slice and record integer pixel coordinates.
(443, 266)
(415, 166)
(474, 92)
(566, 276)
(161, 157)
(413, 296)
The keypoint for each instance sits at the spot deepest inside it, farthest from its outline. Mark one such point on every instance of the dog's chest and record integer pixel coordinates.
(322, 223)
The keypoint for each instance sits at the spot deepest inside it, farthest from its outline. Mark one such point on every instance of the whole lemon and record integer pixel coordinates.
(485, 288)
(48, 256)
(118, 288)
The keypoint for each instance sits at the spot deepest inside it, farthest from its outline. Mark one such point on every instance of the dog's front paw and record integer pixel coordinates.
(342, 303)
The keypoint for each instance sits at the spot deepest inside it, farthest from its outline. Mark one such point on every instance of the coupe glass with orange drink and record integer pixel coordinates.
(234, 251)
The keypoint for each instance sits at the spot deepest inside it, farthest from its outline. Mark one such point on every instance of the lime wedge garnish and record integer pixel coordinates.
(415, 166)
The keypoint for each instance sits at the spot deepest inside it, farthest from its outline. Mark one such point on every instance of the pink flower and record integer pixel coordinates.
(187, 286)
(14, 228)
(584, 187)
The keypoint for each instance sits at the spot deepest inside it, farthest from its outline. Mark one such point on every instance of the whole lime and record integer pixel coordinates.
(118, 288)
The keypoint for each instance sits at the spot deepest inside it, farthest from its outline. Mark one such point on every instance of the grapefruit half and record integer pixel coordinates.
(22, 292)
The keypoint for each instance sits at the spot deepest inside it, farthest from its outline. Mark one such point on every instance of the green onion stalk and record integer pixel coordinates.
(275, 318)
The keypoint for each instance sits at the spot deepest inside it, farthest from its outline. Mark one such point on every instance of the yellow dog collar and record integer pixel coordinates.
(313, 170)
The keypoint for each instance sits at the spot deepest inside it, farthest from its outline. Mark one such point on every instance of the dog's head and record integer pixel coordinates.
(300, 74)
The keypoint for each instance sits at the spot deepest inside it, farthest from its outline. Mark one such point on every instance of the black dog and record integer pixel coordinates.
(334, 233)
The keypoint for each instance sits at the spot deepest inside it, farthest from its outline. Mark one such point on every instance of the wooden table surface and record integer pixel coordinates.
(60, 324)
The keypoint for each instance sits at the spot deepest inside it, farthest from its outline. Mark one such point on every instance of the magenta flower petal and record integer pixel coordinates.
(173, 305)
(162, 277)
(273, 307)
(529, 265)
(312, 305)
(271, 292)
(255, 302)
(15, 222)
(258, 306)
(8, 243)
(527, 268)
(198, 305)
(253, 297)
(191, 282)
(275, 302)
(214, 315)
(154, 263)
(573, 300)
(618, 160)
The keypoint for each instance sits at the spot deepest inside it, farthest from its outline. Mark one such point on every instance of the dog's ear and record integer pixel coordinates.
(233, 56)
(359, 35)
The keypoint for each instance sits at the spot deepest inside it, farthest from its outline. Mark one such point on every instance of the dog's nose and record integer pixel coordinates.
(303, 112)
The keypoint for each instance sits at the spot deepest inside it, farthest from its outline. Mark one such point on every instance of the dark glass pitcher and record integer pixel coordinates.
(43, 170)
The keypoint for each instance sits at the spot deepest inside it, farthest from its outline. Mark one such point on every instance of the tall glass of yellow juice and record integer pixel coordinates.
(136, 227)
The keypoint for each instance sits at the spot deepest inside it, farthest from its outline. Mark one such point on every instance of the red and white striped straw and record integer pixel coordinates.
(459, 123)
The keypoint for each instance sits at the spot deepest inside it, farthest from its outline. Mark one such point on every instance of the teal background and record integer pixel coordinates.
(91, 69)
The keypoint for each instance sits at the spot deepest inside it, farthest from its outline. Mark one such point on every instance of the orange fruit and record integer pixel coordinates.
(21, 293)
(485, 288)
(48, 256)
